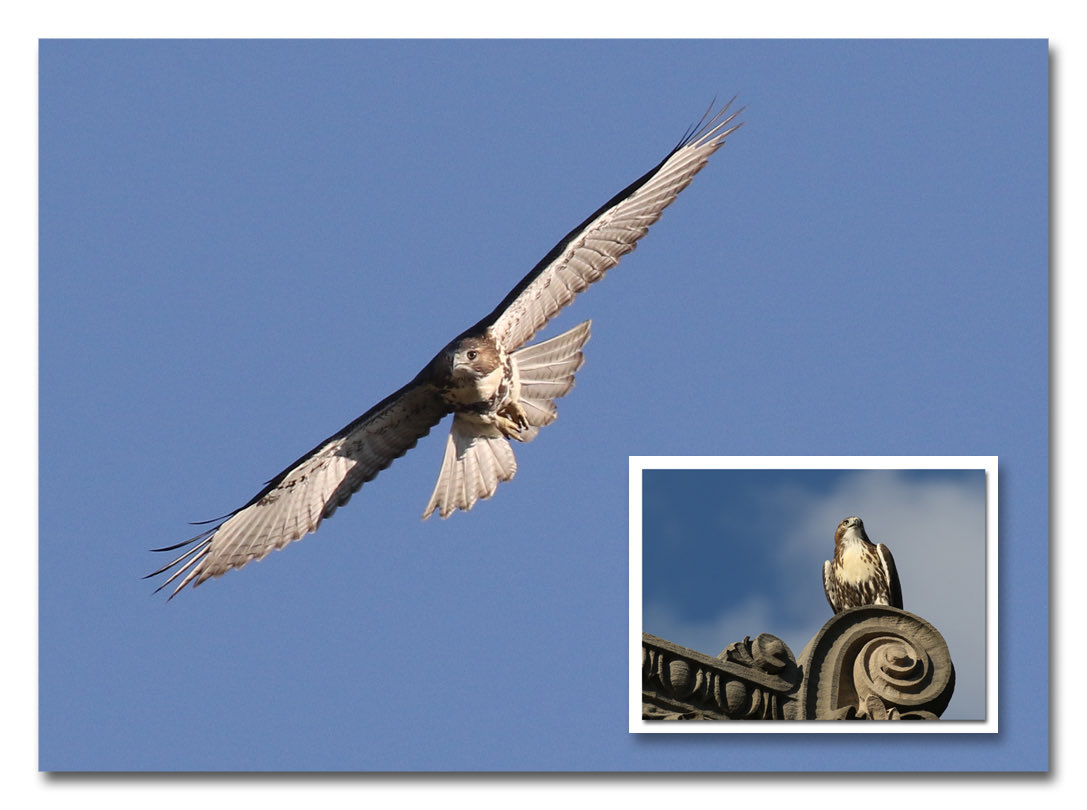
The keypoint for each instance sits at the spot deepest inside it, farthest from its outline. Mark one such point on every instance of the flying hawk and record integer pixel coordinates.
(861, 572)
(497, 388)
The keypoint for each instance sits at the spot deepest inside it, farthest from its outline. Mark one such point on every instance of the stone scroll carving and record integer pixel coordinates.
(876, 663)
(867, 663)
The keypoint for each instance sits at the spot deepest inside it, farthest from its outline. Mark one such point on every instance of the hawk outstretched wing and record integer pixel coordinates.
(294, 503)
(597, 244)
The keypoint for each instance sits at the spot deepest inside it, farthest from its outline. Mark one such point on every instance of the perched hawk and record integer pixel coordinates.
(861, 572)
(497, 388)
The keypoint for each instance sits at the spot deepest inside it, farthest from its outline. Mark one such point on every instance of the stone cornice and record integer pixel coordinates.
(866, 663)
(750, 680)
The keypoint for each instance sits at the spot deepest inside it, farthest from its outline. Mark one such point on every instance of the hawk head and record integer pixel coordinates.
(472, 357)
(852, 528)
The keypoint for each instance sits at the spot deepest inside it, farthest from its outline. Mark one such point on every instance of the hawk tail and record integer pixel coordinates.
(477, 458)
(546, 372)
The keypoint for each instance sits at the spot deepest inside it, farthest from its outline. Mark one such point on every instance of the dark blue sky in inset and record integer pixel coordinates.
(707, 533)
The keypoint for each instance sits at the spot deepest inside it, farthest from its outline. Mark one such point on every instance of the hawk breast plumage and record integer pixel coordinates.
(861, 572)
(497, 388)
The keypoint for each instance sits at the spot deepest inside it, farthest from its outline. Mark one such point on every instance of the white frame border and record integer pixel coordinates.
(640, 463)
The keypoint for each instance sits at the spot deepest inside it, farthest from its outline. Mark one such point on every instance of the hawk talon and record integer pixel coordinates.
(509, 428)
(514, 414)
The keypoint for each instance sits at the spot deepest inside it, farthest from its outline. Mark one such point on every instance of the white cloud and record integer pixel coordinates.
(936, 531)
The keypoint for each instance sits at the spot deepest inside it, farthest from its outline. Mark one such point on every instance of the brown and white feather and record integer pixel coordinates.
(294, 503)
(597, 244)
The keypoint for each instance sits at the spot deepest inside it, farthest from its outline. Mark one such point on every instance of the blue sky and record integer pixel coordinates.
(244, 245)
(731, 553)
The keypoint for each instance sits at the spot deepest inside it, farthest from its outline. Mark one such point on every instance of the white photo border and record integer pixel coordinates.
(987, 463)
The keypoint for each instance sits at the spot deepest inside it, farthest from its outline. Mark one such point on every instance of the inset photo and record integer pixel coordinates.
(832, 589)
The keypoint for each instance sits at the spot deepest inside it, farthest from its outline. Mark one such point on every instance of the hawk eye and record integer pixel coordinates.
(473, 354)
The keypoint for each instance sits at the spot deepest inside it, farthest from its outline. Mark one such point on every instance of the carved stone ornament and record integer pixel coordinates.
(876, 663)
(751, 680)
(867, 663)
